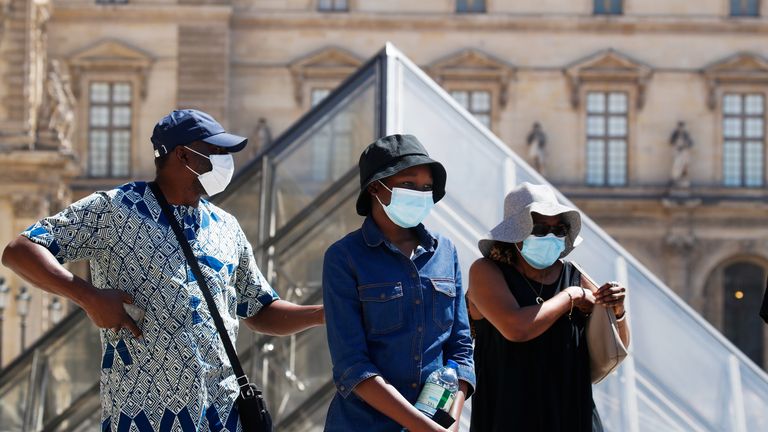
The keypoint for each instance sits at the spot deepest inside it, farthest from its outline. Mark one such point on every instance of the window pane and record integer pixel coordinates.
(121, 93)
(121, 116)
(753, 163)
(732, 104)
(607, 7)
(99, 92)
(753, 104)
(595, 162)
(595, 126)
(470, 5)
(595, 102)
(732, 127)
(753, 127)
(341, 4)
(481, 101)
(731, 163)
(121, 153)
(461, 97)
(317, 95)
(99, 116)
(485, 119)
(98, 152)
(324, 4)
(617, 126)
(617, 103)
(745, 7)
(617, 162)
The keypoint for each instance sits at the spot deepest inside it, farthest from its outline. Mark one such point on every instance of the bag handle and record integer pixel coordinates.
(247, 389)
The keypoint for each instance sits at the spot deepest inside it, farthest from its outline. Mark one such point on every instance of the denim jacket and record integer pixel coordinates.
(393, 316)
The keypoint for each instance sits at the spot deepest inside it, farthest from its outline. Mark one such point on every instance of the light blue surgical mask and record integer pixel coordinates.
(542, 252)
(407, 208)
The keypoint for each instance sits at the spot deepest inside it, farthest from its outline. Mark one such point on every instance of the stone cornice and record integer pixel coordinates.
(499, 22)
(142, 13)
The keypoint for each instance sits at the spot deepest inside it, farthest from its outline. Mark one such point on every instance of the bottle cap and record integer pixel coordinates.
(452, 364)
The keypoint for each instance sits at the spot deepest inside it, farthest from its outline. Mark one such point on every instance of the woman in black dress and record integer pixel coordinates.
(529, 311)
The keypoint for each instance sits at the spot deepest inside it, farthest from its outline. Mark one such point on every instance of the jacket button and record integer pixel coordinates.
(382, 296)
(416, 358)
(417, 301)
(418, 329)
(414, 385)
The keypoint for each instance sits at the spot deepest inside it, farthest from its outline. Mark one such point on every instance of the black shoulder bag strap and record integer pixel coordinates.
(248, 390)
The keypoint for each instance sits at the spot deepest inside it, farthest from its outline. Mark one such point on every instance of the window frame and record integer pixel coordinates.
(615, 9)
(110, 128)
(631, 93)
(742, 139)
(744, 13)
(469, 90)
(334, 8)
(469, 6)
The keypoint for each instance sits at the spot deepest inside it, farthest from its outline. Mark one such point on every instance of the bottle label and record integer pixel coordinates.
(434, 397)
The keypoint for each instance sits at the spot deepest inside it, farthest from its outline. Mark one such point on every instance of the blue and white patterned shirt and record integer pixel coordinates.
(180, 378)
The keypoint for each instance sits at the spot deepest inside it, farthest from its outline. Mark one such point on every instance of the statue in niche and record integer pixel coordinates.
(263, 134)
(682, 143)
(537, 141)
(62, 104)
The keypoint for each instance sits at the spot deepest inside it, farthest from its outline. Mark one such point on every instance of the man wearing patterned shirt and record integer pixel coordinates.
(169, 371)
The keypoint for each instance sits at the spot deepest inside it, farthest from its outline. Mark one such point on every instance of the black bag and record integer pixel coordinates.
(254, 416)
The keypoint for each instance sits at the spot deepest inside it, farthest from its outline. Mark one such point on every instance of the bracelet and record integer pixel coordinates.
(623, 315)
(571, 311)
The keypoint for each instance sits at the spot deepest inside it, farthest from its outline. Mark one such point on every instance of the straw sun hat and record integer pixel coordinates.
(517, 225)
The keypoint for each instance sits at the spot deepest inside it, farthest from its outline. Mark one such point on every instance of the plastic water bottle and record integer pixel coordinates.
(439, 392)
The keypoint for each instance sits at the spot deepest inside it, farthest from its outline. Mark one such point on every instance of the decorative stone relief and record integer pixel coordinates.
(473, 65)
(608, 66)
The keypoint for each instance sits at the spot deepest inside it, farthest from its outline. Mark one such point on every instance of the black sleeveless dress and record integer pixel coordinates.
(539, 385)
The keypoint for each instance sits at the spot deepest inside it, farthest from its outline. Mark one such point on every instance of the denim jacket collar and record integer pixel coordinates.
(374, 237)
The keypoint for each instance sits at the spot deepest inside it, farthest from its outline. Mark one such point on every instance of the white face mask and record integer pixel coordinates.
(217, 179)
(407, 208)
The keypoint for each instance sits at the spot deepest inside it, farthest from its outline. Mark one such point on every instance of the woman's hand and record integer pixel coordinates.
(612, 294)
(583, 298)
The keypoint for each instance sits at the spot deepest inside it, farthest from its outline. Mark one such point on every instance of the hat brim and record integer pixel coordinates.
(518, 227)
(439, 177)
(233, 143)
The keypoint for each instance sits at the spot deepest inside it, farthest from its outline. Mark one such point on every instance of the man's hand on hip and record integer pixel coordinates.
(105, 308)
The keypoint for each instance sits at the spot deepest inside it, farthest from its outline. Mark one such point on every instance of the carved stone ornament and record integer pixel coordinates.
(472, 65)
(607, 67)
(29, 206)
(741, 68)
(330, 63)
(110, 56)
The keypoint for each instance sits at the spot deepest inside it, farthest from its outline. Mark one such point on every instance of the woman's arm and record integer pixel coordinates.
(282, 318)
(489, 293)
(386, 399)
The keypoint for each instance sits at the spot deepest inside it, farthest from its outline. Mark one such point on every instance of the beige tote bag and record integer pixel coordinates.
(606, 350)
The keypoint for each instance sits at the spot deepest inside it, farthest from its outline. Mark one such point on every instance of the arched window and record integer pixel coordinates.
(743, 284)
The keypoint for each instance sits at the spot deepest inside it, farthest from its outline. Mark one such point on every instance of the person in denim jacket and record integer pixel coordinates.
(395, 309)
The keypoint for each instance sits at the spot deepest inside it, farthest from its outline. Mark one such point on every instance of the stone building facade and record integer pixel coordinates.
(607, 80)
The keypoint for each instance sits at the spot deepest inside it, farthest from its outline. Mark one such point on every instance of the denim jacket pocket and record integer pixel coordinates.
(443, 298)
(382, 306)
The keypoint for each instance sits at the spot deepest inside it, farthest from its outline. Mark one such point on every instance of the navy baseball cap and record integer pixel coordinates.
(182, 127)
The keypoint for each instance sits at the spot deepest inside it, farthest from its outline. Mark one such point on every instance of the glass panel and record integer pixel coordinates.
(99, 116)
(318, 95)
(121, 93)
(617, 102)
(295, 185)
(753, 127)
(595, 102)
(753, 104)
(617, 162)
(485, 119)
(245, 205)
(462, 98)
(121, 116)
(617, 126)
(595, 162)
(70, 366)
(324, 4)
(753, 164)
(732, 127)
(481, 101)
(99, 92)
(470, 6)
(98, 152)
(13, 400)
(595, 126)
(755, 397)
(732, 104)
(731, 163)
(121, 153)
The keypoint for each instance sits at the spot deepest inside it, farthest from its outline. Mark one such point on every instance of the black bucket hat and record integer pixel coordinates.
(389, 155)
